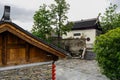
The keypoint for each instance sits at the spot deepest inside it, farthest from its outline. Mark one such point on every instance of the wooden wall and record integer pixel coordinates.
(14, 51)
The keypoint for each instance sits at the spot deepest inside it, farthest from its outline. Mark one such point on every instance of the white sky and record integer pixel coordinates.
(22, 11)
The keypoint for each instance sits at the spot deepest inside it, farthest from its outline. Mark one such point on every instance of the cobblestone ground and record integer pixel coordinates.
(76, 69)
(42, 72)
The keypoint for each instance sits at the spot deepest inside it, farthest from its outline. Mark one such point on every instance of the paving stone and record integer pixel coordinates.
(77, 69)
(42, 72)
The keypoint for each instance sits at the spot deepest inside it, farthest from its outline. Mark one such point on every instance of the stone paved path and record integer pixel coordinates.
(76, 69)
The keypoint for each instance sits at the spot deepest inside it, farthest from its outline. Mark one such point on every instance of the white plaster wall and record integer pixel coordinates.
(91, 33)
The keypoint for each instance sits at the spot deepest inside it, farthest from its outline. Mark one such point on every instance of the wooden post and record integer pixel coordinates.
(4, 48)
(27, 52)
(53, 71)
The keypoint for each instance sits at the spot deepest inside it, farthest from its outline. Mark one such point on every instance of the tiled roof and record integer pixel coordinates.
(87, 24)
(36, 38)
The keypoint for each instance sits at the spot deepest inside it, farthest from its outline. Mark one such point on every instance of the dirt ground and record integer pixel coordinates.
(76, 69)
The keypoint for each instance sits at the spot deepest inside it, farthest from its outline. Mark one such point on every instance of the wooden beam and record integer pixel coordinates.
(15, 46)
(27, 52)
(4, 48)
(55, 58)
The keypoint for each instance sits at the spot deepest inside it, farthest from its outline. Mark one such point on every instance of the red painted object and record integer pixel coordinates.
(53, 71)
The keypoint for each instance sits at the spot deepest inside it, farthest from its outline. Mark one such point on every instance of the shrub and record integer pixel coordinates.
(107, 48)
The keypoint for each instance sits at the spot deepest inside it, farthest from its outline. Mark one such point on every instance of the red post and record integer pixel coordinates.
(53, 71)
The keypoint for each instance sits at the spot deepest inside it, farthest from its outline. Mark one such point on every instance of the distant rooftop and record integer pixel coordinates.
(87, 24)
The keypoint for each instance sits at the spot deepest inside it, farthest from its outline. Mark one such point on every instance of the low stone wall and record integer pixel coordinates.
(39, 72)
(73, 46)
(90, 55)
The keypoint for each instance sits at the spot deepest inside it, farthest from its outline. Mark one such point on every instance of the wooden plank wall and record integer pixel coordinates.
(14, 51)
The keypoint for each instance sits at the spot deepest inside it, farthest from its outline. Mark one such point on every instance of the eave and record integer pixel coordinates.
(28, 37)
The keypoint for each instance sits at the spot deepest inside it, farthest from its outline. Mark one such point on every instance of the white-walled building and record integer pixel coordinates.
(89, 28)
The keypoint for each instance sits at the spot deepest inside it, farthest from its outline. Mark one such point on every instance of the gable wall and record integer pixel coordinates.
(14, 51)
(28, 37)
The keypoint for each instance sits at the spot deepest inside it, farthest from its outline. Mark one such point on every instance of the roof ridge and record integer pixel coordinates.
(84, 20)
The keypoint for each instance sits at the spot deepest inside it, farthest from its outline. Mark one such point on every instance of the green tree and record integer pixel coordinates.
(60, 9)
(53, 15)
(42, 22)
(108, 53)
(110, 19)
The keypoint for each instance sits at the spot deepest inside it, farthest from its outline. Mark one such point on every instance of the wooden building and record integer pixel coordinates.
(18, 46)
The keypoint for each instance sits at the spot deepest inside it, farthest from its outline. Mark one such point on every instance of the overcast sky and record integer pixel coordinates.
(22, 11)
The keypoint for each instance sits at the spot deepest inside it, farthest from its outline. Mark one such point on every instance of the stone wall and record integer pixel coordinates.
(90, 55)
(75, 46)
(38, 72)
